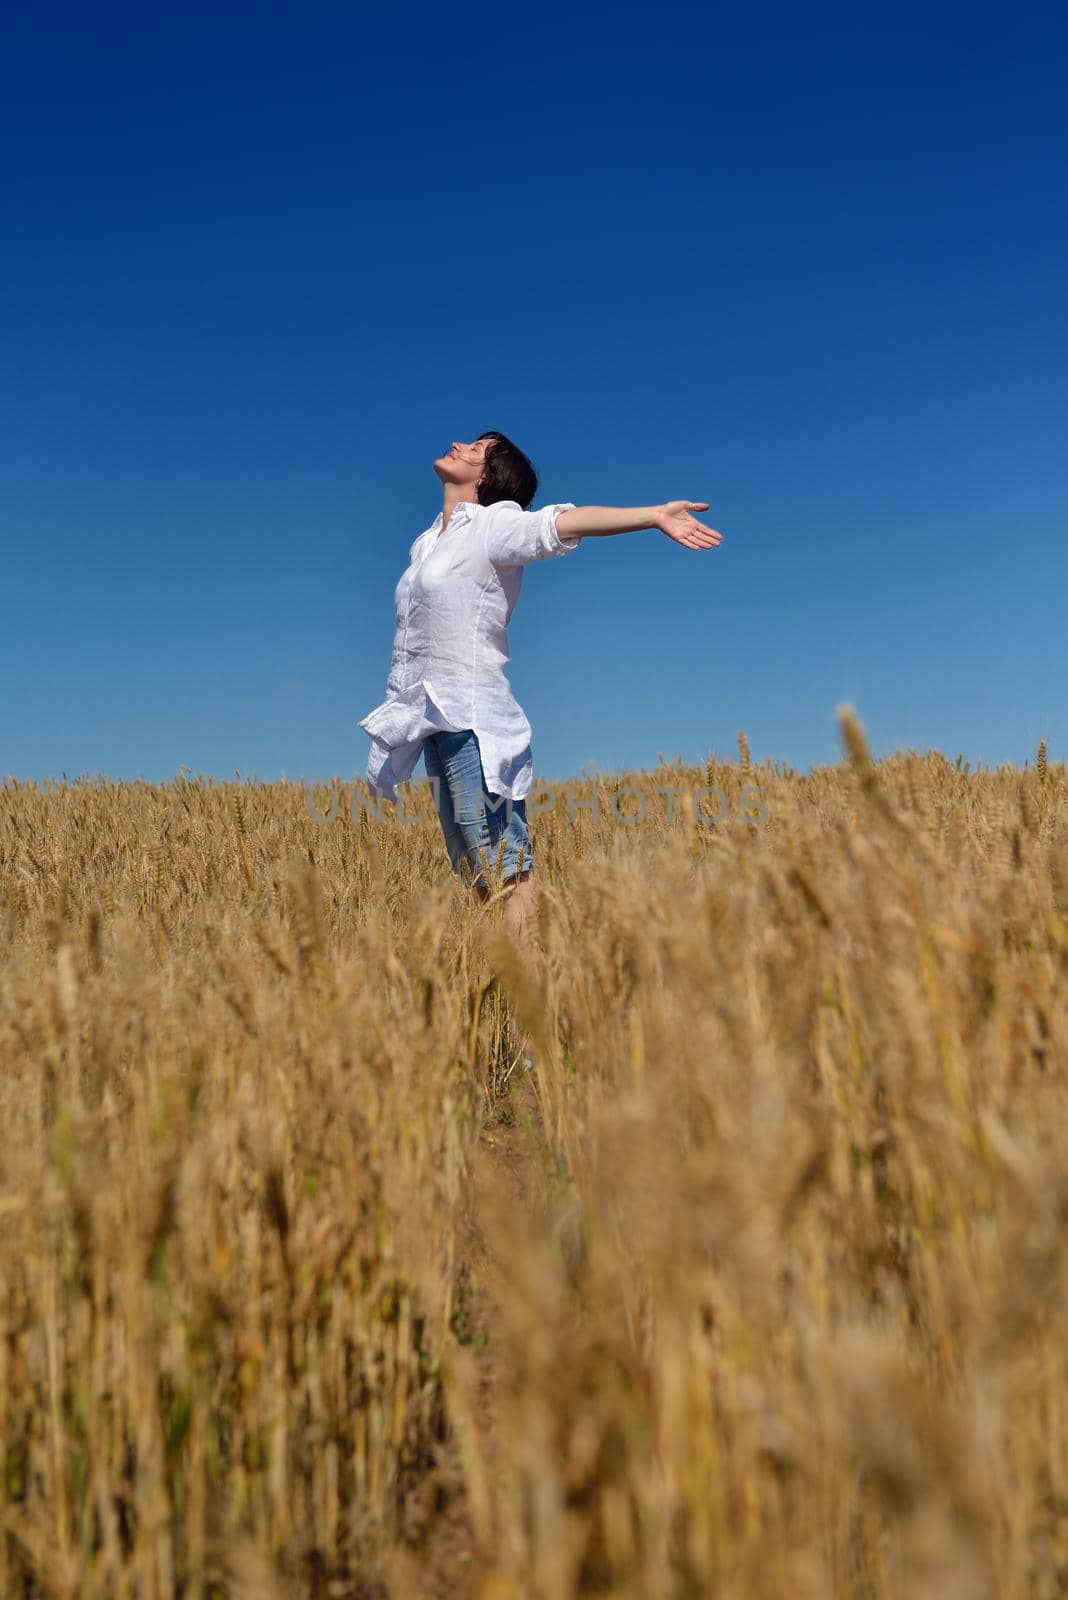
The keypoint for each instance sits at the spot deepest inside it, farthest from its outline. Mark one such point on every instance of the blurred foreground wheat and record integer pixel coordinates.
(768, 1262)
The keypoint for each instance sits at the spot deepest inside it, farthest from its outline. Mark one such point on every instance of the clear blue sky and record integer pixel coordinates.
(262, 263)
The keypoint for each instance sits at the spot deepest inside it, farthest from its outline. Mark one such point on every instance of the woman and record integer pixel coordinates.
(447, 695)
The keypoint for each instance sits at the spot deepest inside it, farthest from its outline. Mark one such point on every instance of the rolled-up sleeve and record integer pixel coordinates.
(515, 537)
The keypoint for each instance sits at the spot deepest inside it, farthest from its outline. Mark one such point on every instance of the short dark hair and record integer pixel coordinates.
(509, 474)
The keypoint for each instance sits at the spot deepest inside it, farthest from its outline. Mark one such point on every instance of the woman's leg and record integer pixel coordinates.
(475, 823)
(482, 829)
(462, 807)
(443, 772)
(518, 910)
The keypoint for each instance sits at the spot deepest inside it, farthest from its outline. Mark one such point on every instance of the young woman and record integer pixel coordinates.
(447, 695)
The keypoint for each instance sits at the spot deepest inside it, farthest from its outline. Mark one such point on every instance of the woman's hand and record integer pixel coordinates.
(674, 519)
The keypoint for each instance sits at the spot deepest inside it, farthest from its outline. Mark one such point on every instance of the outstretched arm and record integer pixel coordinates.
(673, 518)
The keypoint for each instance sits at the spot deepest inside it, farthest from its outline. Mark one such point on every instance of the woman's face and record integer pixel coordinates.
(463, 464)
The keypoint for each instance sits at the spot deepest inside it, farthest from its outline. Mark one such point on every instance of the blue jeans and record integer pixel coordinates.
(480, 828)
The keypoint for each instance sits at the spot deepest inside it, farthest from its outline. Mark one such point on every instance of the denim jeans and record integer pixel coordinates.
(473, 821)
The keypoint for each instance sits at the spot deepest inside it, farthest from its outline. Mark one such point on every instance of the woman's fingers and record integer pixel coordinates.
(685, 529)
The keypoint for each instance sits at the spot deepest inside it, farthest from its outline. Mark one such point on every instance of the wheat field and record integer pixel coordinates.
(756, 1287)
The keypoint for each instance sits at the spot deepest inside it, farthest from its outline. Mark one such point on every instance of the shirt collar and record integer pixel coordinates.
(461, 511)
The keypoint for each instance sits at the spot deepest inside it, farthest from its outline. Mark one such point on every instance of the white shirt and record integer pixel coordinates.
(451, 646)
